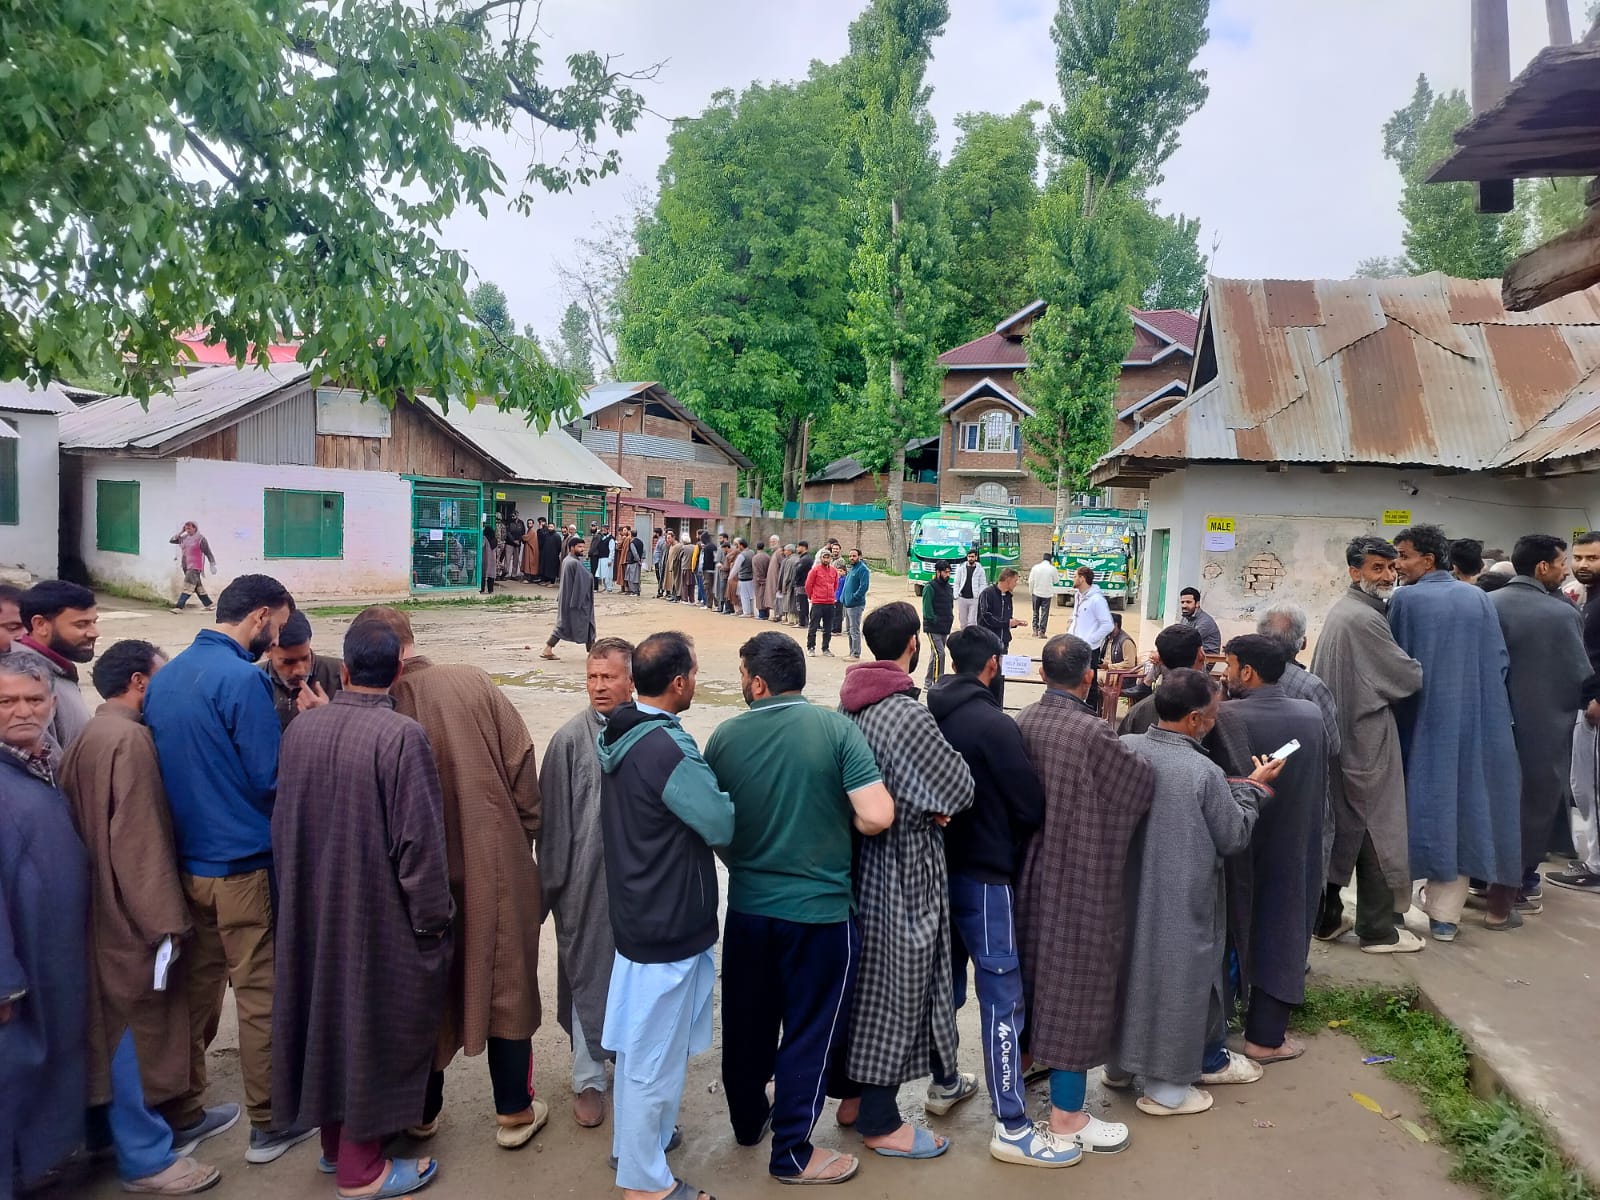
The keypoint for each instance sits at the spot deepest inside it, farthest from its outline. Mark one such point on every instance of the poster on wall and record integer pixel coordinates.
(1220, 535)
(1396, 518)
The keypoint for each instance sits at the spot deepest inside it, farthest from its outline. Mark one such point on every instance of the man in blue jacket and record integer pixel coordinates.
(853, 599)
(661, 812)
(216, 729)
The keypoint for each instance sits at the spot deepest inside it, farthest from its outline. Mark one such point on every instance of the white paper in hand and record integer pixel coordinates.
(163, 963)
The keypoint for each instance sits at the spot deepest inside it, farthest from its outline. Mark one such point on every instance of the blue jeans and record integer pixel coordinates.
(852, 624)
(142, 1140)
(981, 927)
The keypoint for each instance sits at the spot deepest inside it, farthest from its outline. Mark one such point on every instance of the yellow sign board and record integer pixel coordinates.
(544, 499)
(1576, 534)
(1397, 517)
(499, 495)
(1219, 525)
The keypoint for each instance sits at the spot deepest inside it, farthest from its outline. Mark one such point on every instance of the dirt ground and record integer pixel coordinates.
(1296, 1131)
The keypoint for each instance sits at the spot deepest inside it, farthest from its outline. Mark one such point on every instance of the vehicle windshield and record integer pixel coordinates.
(1089, 536)
(946, 533)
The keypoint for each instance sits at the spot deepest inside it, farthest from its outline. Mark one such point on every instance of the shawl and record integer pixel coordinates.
(575, 603)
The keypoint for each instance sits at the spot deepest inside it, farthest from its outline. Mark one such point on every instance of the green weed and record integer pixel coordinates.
(498, 600)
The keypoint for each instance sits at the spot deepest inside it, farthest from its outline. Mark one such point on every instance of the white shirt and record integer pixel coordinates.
(1091, 618)
(1042, 579)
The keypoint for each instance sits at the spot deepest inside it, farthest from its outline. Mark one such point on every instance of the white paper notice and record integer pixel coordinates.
(163, 963)
(436, 535)
(1016, 666)
(1218, 542)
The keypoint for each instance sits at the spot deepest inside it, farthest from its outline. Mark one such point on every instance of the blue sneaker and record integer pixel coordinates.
(269, 1146)
(215, 1120)
(1443, 931)
(1033, 1146)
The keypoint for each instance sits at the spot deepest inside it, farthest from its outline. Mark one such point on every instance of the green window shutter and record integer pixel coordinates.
(302, 524)
(688, 491)
(116, 515)
(9, 488)
(655, 487)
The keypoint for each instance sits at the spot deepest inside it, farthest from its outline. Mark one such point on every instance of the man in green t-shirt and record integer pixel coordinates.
(790, 944)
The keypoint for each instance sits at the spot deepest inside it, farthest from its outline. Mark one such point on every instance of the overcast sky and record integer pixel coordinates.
(1283, 166)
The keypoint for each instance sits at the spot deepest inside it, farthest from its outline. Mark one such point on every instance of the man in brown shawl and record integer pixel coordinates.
(573, 866)
(363, 922)
(1071, 906)
(490, 777)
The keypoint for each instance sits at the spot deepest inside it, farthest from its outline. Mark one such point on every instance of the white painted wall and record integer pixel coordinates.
(1304, 518)
(34, 543)
(226, 500)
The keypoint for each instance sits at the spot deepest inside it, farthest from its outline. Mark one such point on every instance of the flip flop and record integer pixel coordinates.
(1288, 1052)
(402, 1180)
(819, 1179)
(923, 1145)
(683, 1190)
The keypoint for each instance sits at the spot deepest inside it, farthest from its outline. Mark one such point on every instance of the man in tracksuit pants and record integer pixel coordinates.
(983, 851)
(661, 811)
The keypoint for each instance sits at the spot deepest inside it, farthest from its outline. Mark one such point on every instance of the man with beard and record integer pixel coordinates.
(783, 566)
(548, 543)
(1455, 733)
(574, 603)
(994, 614)
(799, 602)
(62, 624)
(1368, 675)
(1286, 849)
(1547, 667)
(1584, 874)
(903, 1022)
(217, 736)
(938, 612)
(300, 679)
(572, 868)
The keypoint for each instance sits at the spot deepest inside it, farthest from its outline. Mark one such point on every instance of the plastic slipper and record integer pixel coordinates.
(819, 1179)
(683, 1190)
(1287, 1053)
(923, 1145)
(514, 1137)
(402, 1180)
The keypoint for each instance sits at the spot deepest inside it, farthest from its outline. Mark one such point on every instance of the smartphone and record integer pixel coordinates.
(1283, 751)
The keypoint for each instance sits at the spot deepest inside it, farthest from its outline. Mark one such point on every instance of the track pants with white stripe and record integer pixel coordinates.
(982, 929)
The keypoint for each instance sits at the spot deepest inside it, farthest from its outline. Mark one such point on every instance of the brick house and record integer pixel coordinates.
(981, 453)
(683, 474)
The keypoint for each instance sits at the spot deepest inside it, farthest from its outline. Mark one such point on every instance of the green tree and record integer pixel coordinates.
(1164, 256)
(491, 310)
(1443, 229)
(272, 168)
(737, 299)
(576, 357)
(897, 284)
(1553, 206)
(990, 190)
(1380, 266)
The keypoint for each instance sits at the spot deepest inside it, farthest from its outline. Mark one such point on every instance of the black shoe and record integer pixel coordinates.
(1576, 879)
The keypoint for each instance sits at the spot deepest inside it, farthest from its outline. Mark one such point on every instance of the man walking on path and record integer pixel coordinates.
(903, 1021)
(1071, 903)
(983, 850)
(853, 596)
(364, 922)
(138, 1034)
(1545, 673)
(790, 945)
(572, 869)
(1455, 734)
(1191, 612)
(1287, 865)
(938, 612)
(821, 588)
(1042, 592)
(301, 680)
(662, 813)
(1584, 874)
(574, 603)
(969, 585)
(1367, 675)
(994, 614)
(194, 552)
(1175, 1003)
(489, 775)
(63, 624)
(217, 736)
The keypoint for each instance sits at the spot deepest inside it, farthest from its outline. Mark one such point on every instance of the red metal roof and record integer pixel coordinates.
(194, 343)
(1172, 326)
(1178, 325)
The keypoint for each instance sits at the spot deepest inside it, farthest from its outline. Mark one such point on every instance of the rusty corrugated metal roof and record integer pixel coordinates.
(1423, 371)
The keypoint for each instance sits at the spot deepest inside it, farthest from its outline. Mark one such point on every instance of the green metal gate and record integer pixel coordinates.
(582, 509)
(446, 535)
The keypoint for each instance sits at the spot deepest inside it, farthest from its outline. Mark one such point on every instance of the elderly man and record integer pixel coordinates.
(301, 679)
(138, 1032)
(44, 914)
(903, 1025)
(489, 773)
(1455, 734)
(1175, 995)
(363, 922)
(784, 564)
(1368, 675)
(573, 870)
(763, 565)
(1071, 903)
(62, 623)
(1287, 864)
(1546, 669)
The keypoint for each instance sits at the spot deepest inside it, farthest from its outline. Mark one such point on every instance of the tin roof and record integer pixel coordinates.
(1417, 371)
(199, 401)
(604, 395)
(17, 396)
(1156, 333)
(525, 454)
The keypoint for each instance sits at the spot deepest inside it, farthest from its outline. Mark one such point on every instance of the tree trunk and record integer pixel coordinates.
(1063, 486)
(792, 467)
(896, 507)
(897, 386)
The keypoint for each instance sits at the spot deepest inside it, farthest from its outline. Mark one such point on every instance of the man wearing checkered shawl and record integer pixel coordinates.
(903, 1022)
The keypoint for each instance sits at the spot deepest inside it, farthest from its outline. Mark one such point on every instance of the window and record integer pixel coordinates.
(688, 491)
(303, 524)
(116, 515)
(655, 487)
(9, 491)
(722, 500)
(992, 493)
(993, 433)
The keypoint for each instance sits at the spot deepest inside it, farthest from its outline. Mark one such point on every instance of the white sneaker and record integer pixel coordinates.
(1409, 943)
(1194, 1101)
(1102, 1137)
(941, 1100)
(1239, 1070)
(1035, 1146)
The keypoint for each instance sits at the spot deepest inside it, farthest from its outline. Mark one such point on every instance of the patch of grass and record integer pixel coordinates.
(131, 592)
(498, 600)
(1497, 1144)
